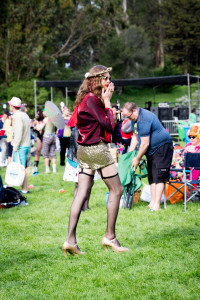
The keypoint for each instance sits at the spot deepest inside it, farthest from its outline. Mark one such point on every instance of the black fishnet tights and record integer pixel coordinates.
(115, 192)
(85, 184)
(86, 203)
(111, 179)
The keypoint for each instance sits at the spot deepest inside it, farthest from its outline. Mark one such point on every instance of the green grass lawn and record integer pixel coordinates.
(156, 95)
(164, 262)
(140, 95)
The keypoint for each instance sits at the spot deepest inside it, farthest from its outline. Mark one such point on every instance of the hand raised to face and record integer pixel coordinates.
(107, 94)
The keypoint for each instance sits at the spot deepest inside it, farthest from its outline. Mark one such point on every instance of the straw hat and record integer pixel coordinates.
(194, 130)
(16, 102)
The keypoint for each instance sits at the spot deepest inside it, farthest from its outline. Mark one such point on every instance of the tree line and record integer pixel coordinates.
(62, 39)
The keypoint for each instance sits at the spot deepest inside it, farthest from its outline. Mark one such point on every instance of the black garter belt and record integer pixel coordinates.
(81, 172)
(107, 176)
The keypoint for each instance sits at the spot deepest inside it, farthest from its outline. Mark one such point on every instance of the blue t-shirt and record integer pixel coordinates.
(149, 125)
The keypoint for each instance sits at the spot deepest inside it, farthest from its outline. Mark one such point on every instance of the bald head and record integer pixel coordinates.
(131, 111)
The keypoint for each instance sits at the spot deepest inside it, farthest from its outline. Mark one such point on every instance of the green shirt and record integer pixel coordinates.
(49, 127)
(192, 118)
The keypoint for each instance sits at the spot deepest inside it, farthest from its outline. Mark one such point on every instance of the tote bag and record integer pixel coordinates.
(67, 131)
(15, 173)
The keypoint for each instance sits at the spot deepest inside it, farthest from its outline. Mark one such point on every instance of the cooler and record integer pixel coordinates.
(186, 128)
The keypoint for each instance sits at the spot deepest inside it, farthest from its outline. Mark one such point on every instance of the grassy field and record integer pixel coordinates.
(164, 262)
(140, 95)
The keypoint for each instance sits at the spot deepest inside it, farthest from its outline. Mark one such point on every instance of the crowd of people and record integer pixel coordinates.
(93, 125)
(47, 137)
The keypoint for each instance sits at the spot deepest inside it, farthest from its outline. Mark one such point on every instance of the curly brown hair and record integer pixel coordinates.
(91, 84)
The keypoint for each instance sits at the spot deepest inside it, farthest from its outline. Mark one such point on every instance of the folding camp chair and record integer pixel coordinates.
(192, 162)
(131, 188)
(191, 187)
(130, 180)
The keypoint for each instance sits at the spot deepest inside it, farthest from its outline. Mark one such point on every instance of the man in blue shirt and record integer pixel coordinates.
(156, 143)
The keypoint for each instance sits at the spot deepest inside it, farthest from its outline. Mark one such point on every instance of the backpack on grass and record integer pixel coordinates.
(2, 192)
(12, 197)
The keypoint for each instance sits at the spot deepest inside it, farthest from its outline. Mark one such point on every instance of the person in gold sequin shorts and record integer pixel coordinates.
(94, 119)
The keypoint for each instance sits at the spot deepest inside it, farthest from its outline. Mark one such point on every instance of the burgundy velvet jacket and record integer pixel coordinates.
(95, 122)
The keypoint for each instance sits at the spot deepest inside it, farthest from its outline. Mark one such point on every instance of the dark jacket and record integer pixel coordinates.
(72, 151)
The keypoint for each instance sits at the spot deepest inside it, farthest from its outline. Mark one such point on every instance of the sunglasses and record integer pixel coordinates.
(106, 78)
(192, 137)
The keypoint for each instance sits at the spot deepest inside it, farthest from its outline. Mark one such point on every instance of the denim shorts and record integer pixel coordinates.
(23, 154)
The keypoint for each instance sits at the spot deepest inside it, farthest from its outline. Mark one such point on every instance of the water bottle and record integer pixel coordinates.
(106, 200)
(119, 116)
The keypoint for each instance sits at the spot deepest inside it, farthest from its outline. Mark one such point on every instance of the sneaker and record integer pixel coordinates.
(25, 192)
(35, 170)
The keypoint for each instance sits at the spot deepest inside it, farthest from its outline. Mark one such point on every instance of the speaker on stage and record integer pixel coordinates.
(148, 105)
(183, 113)
(163, 113)
(154, 109)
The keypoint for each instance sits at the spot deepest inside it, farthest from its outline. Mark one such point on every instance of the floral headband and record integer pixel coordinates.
(98, 74)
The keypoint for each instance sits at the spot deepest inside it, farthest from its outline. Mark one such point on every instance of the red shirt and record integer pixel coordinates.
(126, 135)
(95, 122)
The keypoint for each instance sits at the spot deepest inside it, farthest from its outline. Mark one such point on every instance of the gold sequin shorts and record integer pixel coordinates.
(95, 156)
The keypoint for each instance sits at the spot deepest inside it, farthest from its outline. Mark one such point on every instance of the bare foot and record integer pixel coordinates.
(154, 208)
(150, 206)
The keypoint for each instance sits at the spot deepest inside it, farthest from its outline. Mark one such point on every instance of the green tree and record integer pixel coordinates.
(24, 89)
(182, 30)
(147, 15)
(128, 53)
(35, 34)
